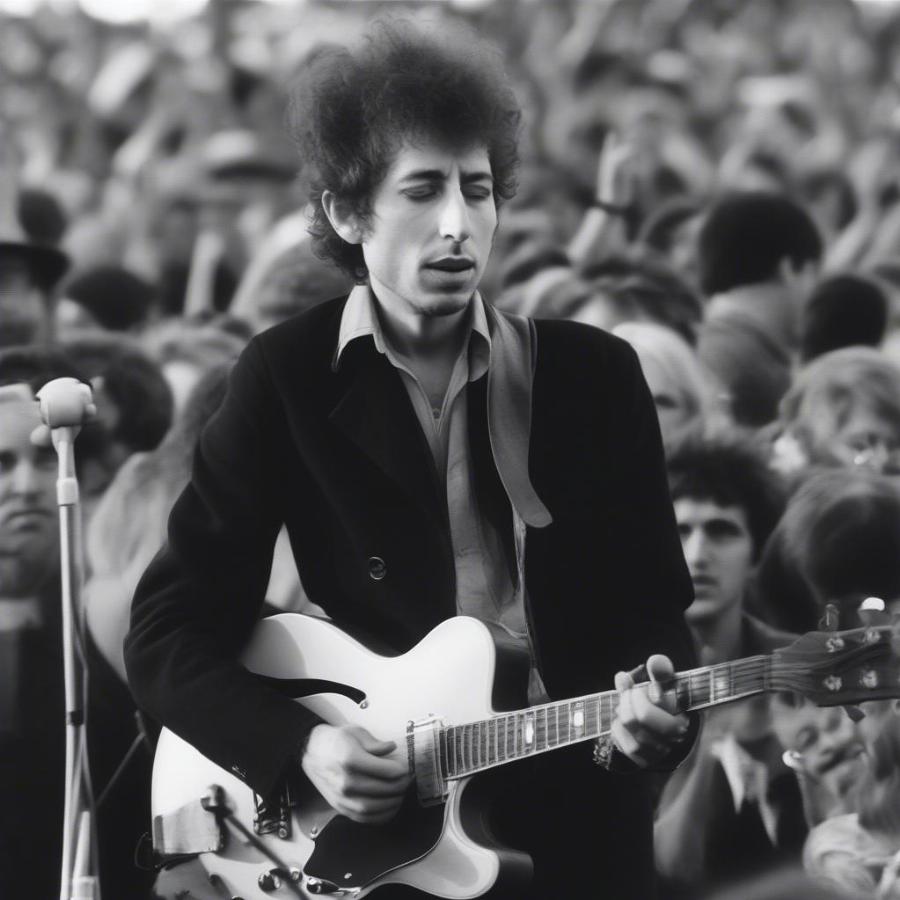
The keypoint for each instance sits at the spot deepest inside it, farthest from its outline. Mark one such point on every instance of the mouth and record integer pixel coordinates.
(847, 757)
(703, 582)
(452, 264)
(27, 518)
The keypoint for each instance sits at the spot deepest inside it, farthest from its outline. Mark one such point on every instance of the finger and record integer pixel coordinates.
(656, 720)
(660, 668)
(363, 786)
(377, 767)
(372, 744)
(627, 743)
(642, 748)
(623, 682)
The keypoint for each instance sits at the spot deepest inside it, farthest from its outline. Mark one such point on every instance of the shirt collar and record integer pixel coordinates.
(360, 319)
(506, 350)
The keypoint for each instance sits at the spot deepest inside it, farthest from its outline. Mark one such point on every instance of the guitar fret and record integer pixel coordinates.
(492, 743)
(444, 762)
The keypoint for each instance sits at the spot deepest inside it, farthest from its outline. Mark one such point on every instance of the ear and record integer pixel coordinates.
(344, 220)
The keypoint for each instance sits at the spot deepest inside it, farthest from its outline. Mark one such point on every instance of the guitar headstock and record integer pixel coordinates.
(834, 668)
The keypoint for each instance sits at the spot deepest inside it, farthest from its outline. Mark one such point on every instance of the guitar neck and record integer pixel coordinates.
(506, 737)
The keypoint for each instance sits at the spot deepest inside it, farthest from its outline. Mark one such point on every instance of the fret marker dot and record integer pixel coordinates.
(578, 719)
(529, 732)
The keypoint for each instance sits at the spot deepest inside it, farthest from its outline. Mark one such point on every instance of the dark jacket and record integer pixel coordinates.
(340, 458)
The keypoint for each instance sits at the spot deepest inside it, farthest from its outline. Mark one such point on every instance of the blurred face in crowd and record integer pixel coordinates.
(28, 527)
(72, 319)
(866, 438)
(718, 549)
(24, 315)
(672, 407)
(823, 742)
(430, 231)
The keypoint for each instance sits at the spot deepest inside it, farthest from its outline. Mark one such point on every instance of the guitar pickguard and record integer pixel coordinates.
(348, 853)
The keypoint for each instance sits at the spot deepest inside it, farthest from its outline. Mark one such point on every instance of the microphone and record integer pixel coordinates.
(65, 403)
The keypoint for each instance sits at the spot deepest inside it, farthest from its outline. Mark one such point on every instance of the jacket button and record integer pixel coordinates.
(377, 568)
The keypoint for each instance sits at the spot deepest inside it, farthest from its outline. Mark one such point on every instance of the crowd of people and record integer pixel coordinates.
(715, 183)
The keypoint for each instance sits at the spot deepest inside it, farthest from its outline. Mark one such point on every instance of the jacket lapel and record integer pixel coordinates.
(375, 413)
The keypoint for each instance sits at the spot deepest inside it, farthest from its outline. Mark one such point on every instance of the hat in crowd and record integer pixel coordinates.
(114, 297)
(42, 216)
(239, 153)
(46, 263)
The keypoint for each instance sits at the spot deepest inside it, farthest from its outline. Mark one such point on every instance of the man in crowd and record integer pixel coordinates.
(429, 457)
(32, 708)
(28, 270)
(734, 808)
(758, 255)
(31, 685)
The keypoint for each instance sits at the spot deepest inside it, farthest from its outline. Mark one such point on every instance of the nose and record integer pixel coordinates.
(838, 732)
(454, 216)
(26, 479)
(694, 546)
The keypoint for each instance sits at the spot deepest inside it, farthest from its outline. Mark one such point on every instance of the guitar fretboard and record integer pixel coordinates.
(474, 746)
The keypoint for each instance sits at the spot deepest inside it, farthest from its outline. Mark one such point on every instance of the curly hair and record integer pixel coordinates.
(350, 110)
(729, 471)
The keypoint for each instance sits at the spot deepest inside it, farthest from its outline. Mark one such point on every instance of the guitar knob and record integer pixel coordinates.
(268, 882)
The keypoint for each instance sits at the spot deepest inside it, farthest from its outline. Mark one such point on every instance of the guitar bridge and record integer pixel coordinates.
(423, 741)
(273, 814)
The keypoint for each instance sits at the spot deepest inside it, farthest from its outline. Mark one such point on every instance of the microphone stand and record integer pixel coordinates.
(65, 403)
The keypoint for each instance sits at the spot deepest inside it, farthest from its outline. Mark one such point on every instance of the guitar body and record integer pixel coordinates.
(440, 846)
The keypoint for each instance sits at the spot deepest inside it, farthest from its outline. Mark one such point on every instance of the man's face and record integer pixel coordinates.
(28, 528)
(430, 231)
(24, 315)
(718, 549)
(823, 742)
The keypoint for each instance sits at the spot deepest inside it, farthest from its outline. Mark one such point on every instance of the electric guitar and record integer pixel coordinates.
(438, 702)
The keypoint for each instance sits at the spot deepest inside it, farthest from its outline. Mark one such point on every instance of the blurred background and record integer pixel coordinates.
(716, 182)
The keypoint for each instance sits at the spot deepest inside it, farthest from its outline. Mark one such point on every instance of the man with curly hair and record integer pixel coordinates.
(429, 457)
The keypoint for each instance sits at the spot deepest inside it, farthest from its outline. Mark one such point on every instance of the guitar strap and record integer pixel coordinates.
(509, 388)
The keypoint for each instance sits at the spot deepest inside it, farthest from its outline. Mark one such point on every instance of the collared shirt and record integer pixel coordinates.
(484, 588)
(748, 779)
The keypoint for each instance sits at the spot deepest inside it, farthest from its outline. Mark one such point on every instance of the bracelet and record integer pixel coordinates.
(603, 751)
(613, 209)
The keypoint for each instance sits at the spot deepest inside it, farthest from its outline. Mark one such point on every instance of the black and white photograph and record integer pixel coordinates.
(450, 449)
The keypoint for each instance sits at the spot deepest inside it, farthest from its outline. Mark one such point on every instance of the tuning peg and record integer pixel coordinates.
(830, 620)
(855, 713)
